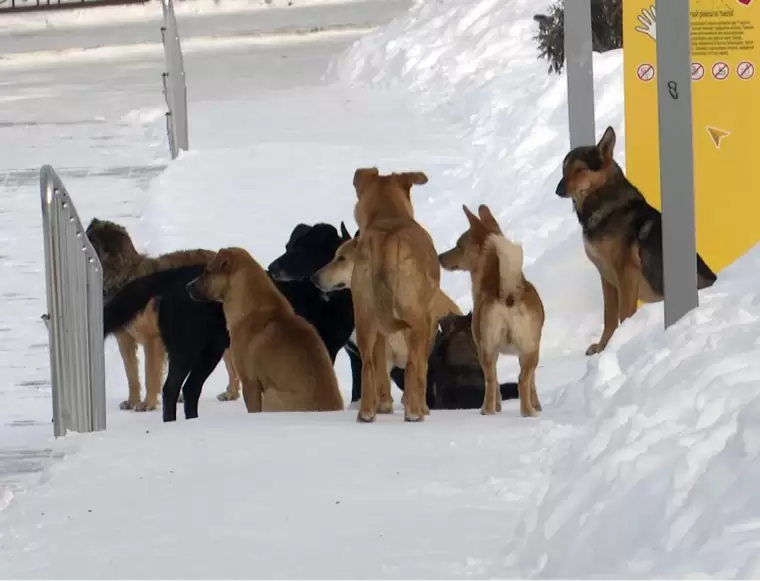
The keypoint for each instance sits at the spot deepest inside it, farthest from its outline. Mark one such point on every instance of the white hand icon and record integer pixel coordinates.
(648, 19)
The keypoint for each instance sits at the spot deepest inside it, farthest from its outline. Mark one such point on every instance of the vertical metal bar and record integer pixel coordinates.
(679, 245)
(180, 84)
(579, 65)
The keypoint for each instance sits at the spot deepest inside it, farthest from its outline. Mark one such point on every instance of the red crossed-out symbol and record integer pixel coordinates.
(697, 71)
(744, 2)
(720, 70)
(645, 72)
(745, 70)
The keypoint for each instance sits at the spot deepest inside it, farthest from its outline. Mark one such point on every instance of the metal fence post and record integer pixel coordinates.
(174, 82)
(74, 281)
(679, 245)
(579, 64)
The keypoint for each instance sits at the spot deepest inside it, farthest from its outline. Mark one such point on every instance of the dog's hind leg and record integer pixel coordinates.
(492, 395)
(526, 384)
(366, 339)
(233, 386)
(203, 367)
(128, 350)
(178, 371)
(611, 317)
(419, 340)
(252, 394)
(382, 379)
(629, 291)
(155, 357)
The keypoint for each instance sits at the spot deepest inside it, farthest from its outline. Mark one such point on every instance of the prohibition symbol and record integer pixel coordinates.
(745, 70)
(645, 72)
(720, 70)
(697, 71)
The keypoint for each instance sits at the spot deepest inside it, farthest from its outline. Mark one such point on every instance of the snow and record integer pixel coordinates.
(643, 462)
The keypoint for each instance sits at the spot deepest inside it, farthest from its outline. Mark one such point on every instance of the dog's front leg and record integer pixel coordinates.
(233, 386)
(155, 357)
(252, 395)
(128, 350)
(611, 317)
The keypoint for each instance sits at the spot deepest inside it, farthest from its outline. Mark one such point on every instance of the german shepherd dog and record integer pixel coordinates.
(458, 381)
(508, 315)
(622, 233)
(121, 264)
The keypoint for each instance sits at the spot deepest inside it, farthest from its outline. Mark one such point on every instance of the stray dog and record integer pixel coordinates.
(122, 263)
(338, 274)
(622, 233)
(395, 280)
(194, 334)
(272, 347)
(458, 381)
(508, 315)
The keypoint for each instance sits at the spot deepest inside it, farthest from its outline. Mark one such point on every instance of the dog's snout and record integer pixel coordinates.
(561, 190)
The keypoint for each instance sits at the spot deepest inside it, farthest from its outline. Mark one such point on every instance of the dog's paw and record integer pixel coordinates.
(144, 406)
(487, 410)
(414, 417)
(365, 418)
(228, 396)
(385, 407)
(527, 412)
(128, 405)
(594, 348)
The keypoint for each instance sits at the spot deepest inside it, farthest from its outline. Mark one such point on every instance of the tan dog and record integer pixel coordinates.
(272, 347)
(337, 275)
(508, 315)
(396, 277)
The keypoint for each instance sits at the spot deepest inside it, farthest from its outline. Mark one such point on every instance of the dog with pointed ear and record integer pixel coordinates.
(344, 234)
(586, 169)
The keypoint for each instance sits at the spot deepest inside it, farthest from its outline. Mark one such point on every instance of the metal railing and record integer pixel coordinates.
(173, 81)
(74, 280)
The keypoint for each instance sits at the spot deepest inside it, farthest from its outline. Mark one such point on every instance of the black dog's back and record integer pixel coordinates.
(647, 229)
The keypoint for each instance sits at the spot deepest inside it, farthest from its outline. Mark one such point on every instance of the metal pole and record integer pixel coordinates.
(580, 72)
(679, 245)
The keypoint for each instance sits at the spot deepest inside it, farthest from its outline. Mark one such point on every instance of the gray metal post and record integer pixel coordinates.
(579, 66)
(679, 245)
(175, 87)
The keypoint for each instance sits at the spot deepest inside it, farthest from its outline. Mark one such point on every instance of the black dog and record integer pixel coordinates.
(195, 333)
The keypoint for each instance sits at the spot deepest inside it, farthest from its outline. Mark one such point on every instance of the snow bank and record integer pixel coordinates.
(659, 478)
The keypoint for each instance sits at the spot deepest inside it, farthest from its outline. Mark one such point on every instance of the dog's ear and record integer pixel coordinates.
(345, 236)
(477, 230)
(222, 262)
(363, 176)
(93, 224)
(412, 178)
(357, 234)
(488, 220)
(448, 324)
(606, 145)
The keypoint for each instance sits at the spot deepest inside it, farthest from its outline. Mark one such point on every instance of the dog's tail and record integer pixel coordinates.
(385, 297)
(133, 297)
(510, 257)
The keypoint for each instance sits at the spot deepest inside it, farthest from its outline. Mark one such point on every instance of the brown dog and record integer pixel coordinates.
(395, 280)
(508, 315)
(272, 347)
(337, 275)
(121, 264)
(622, 233)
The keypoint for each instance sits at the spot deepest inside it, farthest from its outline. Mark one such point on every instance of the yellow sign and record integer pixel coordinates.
(725, 50)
